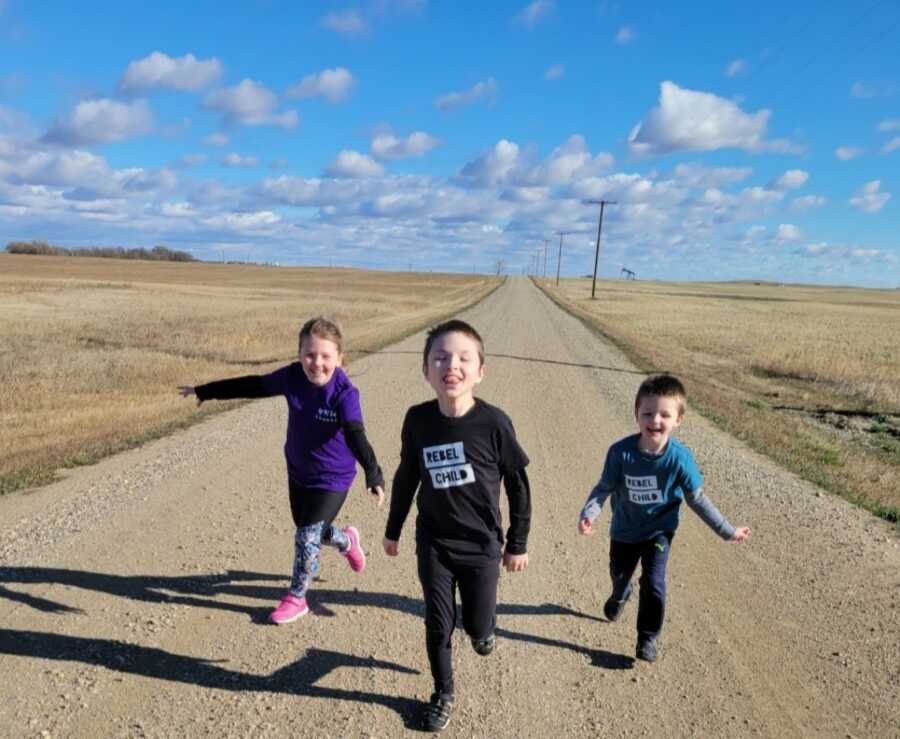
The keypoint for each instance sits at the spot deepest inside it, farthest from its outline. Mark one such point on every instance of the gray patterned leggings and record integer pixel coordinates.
(313, 511)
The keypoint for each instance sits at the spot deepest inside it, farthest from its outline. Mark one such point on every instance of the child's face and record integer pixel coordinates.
(319, 357)
(453, 367)
(657, 417)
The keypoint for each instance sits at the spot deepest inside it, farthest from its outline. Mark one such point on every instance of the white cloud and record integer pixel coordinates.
(454, 100)
(62, 169)
(236, 160)
(846, 153)
(869, 198)
(872, 90)
(190, 160)
(554, 72)
(251, 104)
(352, 164)
(102, 121)
(806, 203)
(735, 68)
(332, 84)
(216, 139)
(535, 11)
(697, 175)
(567, 163)
(387, 147)
(791, 179)
(891, 145)
(15, 121)
(178, 210)
(754, 233)
(688, 120)
(494, 166)
(788, 232)
(625, 35)
(255, 221)
(185, 73)
(350, 22)
(889, 125)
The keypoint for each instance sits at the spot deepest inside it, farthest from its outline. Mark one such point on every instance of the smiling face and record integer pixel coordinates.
(657, 416)
(453, 368)
(319, 357)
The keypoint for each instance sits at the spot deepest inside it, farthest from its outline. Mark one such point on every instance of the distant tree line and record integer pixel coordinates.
(156, 254)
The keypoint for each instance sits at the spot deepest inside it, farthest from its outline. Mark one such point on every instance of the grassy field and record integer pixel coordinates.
(93, 349)
(807, 375)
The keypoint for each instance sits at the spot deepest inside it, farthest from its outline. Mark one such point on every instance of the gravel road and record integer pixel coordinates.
(134, 593)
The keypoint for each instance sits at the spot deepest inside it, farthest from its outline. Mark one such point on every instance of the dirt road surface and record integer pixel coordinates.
(134, 593)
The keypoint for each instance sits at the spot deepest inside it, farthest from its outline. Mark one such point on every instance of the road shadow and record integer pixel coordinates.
(199, 590)
(298, 678)
(598, 657)
(189, 590)
(516, 357)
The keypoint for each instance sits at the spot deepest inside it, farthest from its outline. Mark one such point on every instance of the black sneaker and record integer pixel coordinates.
(647, 650)
(484, 646)
(613, 608)
(436, 715)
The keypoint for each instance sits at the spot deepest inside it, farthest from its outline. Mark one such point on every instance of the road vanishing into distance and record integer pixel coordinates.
(134, 594)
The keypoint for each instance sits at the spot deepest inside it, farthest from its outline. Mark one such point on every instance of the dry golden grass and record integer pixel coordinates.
(93, 349)
(809, 375)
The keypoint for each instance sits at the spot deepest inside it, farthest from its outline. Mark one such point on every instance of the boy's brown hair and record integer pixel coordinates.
(662, 386)
(447, 327)
(323, 328)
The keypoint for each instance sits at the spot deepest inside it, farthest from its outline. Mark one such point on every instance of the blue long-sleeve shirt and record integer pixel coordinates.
(646, 492)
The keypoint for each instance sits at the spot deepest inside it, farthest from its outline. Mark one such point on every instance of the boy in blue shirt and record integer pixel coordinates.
(648, 475)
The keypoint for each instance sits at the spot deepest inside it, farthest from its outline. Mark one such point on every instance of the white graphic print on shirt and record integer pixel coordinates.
(446, 463)
(327, 415)
(643, 490)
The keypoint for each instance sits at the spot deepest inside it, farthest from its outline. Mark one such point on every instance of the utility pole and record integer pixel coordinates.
(546, 241)
(602, 204)
(559, 256)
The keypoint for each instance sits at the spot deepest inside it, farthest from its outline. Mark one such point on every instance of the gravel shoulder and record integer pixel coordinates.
(134, 593)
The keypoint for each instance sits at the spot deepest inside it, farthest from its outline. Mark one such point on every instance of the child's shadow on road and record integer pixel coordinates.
(298, 678)
(200, 590)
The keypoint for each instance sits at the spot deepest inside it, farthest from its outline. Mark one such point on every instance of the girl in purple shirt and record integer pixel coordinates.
(325, 440)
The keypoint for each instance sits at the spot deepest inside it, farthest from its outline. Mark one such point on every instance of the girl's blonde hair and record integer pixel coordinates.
(323, 328)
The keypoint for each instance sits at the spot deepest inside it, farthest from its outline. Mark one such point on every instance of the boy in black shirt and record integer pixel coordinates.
(455, 451)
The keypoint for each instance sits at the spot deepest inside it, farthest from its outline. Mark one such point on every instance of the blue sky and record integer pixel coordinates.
(738, 141)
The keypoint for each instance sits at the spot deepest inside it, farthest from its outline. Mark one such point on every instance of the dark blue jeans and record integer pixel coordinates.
(653, 554)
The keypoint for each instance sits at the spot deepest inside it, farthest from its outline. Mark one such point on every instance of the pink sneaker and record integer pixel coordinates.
(290, 609)
(355, 554)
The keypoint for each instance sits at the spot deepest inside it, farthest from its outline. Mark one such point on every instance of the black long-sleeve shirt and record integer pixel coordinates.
(457, 465)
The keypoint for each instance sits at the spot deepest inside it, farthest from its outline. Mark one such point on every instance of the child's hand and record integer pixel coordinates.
(378, 492)
(187, 391)
(585, 527)
(741, 534)
(515, 562)
(391, 547)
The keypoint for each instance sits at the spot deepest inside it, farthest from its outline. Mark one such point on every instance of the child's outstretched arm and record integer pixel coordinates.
(518, 493)
(406, 482)
(712, 517)
(605, 487)
(248, 386)
(361, 449)
(592, 507)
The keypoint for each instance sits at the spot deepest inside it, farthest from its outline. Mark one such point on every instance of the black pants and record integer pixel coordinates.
(653, 554)
(312, 506)
(440, 574)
